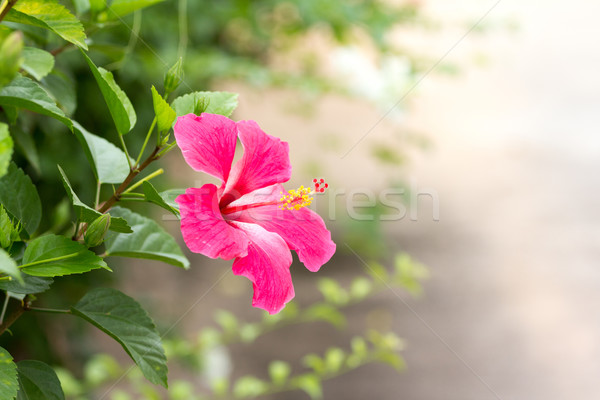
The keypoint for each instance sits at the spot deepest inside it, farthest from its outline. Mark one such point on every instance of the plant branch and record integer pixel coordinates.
(123, 186)
(9, 4)
(15, 315)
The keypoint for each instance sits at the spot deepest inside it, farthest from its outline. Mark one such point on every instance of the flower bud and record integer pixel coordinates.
(173, 77)
(95, 232)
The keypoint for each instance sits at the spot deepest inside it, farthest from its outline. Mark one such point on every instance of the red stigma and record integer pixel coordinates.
(320, 185)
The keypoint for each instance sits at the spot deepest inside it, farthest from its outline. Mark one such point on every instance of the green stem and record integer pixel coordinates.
(4, 307)
(49, 260)
(132, 196)
(183, 28)
(146, 140)
(50, 310)
(144, 179)
(7, 6)
(167, 149)
(126, 152)
(5, 278)
(97, 199)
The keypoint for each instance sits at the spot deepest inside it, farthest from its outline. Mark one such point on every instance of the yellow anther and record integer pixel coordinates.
(296, 199)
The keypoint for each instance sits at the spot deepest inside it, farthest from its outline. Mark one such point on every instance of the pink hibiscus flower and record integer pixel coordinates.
(249, 218)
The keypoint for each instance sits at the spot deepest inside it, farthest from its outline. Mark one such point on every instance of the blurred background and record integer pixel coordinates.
(483, 112)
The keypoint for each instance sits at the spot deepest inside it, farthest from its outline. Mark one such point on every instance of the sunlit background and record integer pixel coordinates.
(502, 125)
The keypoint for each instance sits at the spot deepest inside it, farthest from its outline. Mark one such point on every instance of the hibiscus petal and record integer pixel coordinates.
(303, 230)
(266, 161)
(267, 265)
(207, 142)
(204, 229)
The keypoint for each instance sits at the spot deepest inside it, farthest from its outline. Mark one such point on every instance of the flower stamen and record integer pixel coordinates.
(302, 197)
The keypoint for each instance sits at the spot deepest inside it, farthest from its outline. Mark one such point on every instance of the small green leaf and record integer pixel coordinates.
(9, 384)
(326, 312)
(148, 240)
(165, 115)
(31, 285)
(360, 287)
(6, 149)
(20, 198)
(9, 232)
(153, 196)
(86, 213)
(228, 321)
(49, 14)
(108, 162)
(37, 62)
(279, 371)
(310, 384)
(123, 319)
(10, 56)
(118, 8)
(117, 101)
(249, 386)
(8, 266)
(392, 359)
(222, 103)
(332, 291)
(54, 255)
(37, 381)
(24, 93)
(169, 197)
(334, 359)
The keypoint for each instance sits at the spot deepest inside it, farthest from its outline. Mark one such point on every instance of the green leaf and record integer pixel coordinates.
(6, 149)
(222, 103)
(37, 381)
(117, 101)
(62, 89)
(165, 115)
(49, 14)
(122, 318)
(86, 213)
(279, 371)
(148, 241)
(118, 8)
(24, 93)
(31, 285)
(334, 359)
(54, 255)
(332, 291)
(8, 266)
(11, 48)
(310, 384)
(37, 62)
(170, 195)
(26, 146)
(153, 196)
(9, 383)
(20, 198)
(249, 386)
(108, 162)
(392, 359)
